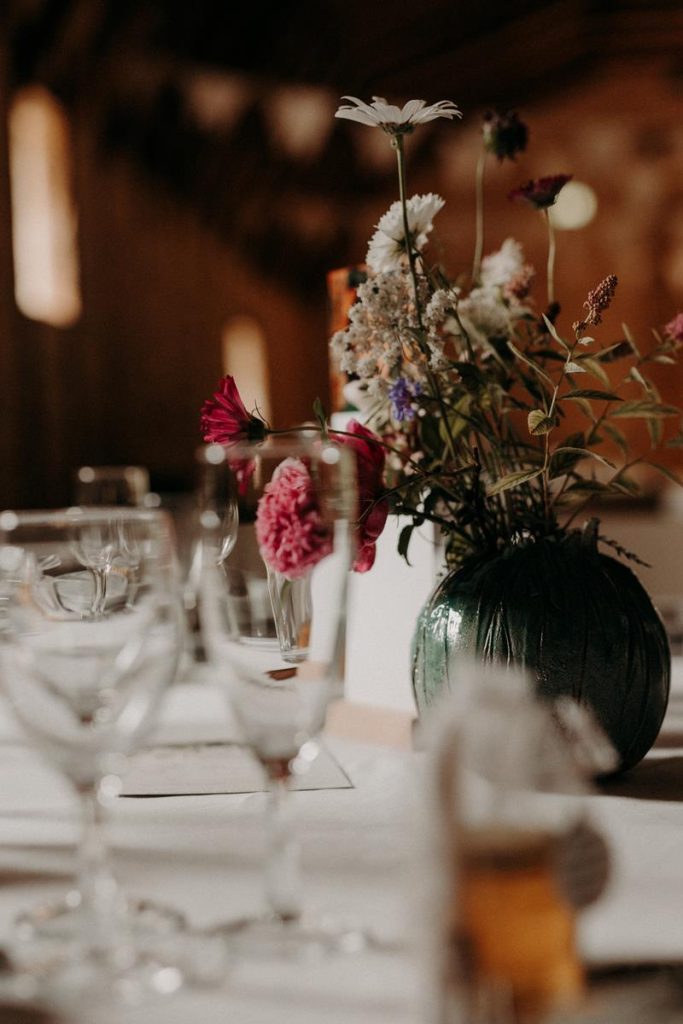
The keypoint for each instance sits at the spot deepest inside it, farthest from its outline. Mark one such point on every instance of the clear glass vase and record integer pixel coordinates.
(292, 612)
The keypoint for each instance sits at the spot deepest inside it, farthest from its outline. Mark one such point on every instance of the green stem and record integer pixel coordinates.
(551, 258)
(479, 221)
(283, 432)
(407, 240)
(397, 142)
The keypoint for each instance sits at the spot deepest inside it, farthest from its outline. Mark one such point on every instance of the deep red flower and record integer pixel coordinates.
(225, 420)
(504, 134)
(542, 192)
(373, 506)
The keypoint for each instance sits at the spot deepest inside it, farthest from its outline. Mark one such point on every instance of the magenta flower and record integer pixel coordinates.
(674, 328)
(373, 506)
(542, 192)
(225, 420)
(291, 534)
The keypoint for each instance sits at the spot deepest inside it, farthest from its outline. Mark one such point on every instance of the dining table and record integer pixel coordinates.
(361, 819)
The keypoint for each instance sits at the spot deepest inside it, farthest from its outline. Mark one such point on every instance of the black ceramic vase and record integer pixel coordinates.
(578, 620)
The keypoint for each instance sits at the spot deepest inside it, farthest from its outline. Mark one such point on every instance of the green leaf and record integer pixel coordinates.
(513, 480)
(588, 487)
(534, 366)
(616, 436)
(665, 471)
(586, 408)
(665, 359)
(593, 394)
(643, 410)
(572, 367)
(593, 367)
(619, 350)
(539, 423)
(630, 339)
(552, 331)
(472, 377)
(404, 541)
(586, 340)
(655, 429)
(549, 353)
(625, 485)
(635, 374)
(582, 452)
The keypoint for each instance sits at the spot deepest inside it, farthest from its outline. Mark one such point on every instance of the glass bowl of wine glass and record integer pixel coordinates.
(277, 526)
(91, 632)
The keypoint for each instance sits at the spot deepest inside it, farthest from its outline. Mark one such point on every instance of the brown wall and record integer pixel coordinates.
(126, 384)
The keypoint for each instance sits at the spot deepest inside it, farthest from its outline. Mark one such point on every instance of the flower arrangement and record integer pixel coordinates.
(479, 415)
(470, 386)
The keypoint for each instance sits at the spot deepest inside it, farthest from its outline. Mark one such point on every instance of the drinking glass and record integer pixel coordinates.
(517, 854)
(112, 485)
(277, 545)
(84, 667)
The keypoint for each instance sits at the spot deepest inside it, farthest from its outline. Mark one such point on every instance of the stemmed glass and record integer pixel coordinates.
(85, 668)
(277, 545)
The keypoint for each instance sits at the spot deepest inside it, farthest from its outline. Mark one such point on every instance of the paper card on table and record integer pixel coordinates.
(211, 768)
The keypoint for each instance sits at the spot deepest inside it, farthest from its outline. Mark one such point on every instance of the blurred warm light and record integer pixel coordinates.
(575, 206)
(43, 211)
(245, 359)
(300, 119)
(218, 100)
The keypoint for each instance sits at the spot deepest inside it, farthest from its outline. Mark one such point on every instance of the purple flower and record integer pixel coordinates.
(542, 192)
(504, 134)
(401, 393)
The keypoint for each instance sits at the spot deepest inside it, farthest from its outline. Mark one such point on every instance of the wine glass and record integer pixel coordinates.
(85, 669)
(112, 485)
(277, 544)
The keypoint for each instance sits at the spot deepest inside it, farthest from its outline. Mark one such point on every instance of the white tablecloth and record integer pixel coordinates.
(202, 854)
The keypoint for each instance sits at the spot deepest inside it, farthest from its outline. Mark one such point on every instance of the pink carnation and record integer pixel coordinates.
(290, 530)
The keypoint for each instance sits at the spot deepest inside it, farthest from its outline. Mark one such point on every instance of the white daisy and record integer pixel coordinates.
(386, 250)
(396, 120)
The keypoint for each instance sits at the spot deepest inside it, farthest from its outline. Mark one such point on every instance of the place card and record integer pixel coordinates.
(202, 768)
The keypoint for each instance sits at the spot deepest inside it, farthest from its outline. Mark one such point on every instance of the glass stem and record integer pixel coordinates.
(283, 864)
(100, 905)
(100, 595)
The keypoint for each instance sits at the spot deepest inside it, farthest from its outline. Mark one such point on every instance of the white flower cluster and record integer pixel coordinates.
(491, 308)
(380, 345)
(381, 326)
(441, 325)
